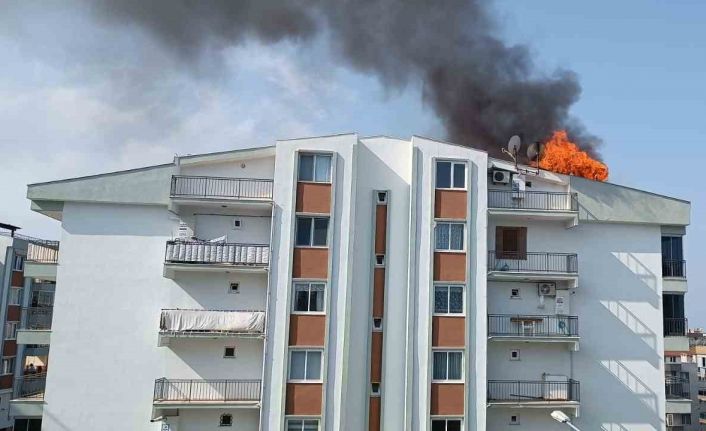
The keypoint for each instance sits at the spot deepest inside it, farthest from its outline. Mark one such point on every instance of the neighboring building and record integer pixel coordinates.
(686, 384)
(346, 283)
(28, 274)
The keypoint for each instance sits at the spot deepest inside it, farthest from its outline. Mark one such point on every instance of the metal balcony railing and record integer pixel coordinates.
(30, 386)
(204, 252)
(525, 325)
(200, 187)
(533, 200)
(210, 323)
(541, 262)
(520, 391)
(673, 268)
(46, 252)
(675, 326)
(676, 388)
(184, 390)
(37, 318)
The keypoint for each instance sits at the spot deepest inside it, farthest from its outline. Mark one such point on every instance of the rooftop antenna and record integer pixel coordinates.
(513, 147)
(534, 151)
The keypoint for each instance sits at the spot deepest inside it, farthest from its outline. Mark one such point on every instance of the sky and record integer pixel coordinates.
(79, 97)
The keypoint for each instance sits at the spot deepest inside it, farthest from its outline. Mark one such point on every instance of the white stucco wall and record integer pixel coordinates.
(208, 420)
(261, 168)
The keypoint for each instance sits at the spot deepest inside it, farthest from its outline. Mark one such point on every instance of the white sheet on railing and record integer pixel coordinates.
(205, 320)
(218, 253)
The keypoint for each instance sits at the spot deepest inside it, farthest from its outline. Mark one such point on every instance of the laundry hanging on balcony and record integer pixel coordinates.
(224, 253)
(212, 321)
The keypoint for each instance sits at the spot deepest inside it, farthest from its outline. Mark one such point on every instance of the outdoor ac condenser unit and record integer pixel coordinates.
(501, 177)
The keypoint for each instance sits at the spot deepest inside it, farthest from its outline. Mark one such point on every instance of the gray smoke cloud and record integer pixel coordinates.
(482, 89)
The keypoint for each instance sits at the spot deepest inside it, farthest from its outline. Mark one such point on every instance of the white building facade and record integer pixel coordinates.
(347, 283)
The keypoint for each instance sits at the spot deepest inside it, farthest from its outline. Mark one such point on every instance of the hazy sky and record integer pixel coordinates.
(79, 97)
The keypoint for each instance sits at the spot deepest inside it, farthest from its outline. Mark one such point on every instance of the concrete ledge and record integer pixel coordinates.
(32, 336)
(43, 271)
(674, 285)
(27, 407)
(676, 344)
(682, 406)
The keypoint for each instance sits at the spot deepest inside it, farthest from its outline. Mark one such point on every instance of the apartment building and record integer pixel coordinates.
(349, 283)
(28, 281)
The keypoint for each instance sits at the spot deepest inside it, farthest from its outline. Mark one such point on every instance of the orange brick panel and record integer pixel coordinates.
(314, 198)
(449, 266)
(307, 330)
(450, 204)
(304, 399)
(310, 263)
(447, 398)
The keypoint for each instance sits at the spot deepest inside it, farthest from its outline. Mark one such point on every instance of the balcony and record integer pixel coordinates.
(201, 190)
(675, 327)
(210, 324)
(534, 205)
(42, 257)
(673, 268)
(36, 325)
(537, 394)
(182, 393)
(534, 328)
(676, 388)
(28, 396)
(207, 256)
(537, 266)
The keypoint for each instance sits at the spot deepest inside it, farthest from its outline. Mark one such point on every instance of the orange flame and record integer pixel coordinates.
(563, 156)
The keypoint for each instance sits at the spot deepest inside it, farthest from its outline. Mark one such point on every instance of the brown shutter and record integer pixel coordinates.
(498, 242)
(522, 243)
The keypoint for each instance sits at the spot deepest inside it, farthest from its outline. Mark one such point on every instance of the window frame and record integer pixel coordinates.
(220, 421)
(302, 419)
(307, 350)
(12, 360)
(448, 313)
(316, 156)
(452, 184)
(447, 350)
(18, 267)
(437, 224)
(312, 229)
(235, 352)
(19, 296)
(446, 420)
(308, 282)
(521, 235)
(14, 331)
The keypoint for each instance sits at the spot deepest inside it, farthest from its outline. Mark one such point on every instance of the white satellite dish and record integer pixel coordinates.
(514, 144)
(534, 150)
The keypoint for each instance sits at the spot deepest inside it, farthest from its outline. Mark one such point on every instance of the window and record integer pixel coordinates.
(237, 223)
(446, 424)
(448, 299)
(312, 231)
(377, 324)
(449, 236)
(305, 365)
(514, 419)
(15, 296)
(8, 365)
(302, 424)
(672, 359)
(229, 352)
(10, 330)
(450, 175)
(234, 288)
(515, 294)
(308, 297)
(380, 260)
(18, 263)
(448, 365)
(382, 198)
(315, 167)
(226, 420)
(686, 419)
(672, 256)
(375, 389)
(511, 242)
(515, 355)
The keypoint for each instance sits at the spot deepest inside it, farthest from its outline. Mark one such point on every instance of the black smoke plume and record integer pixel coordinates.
(483, 90)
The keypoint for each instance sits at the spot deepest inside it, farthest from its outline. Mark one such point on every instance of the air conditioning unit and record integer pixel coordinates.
(670, 419)
(546, 289)
(185, 232)
(501, 177)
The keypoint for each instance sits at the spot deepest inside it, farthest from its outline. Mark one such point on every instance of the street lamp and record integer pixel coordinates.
(562, 417)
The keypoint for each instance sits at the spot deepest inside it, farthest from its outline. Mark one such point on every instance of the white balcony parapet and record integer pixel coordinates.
(223, 253)
(211, 323)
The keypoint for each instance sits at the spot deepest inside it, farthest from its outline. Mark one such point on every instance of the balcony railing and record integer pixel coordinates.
(204, 252)
(46, 252)
(30, 386)
(199, 323)
(37, 318)
(676, 388)
(540, 262)
(675, 326)
(199, 187)
(524, 391)
(536, 201)
(532, 325)
(673, 268)
(179, 390)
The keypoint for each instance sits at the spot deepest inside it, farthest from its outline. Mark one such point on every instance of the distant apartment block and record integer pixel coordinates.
(349, 283)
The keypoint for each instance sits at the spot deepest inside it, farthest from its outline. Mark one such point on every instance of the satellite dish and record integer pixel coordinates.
(534, 150)
(514, 144)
